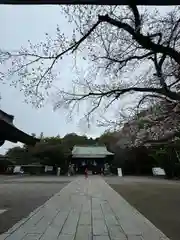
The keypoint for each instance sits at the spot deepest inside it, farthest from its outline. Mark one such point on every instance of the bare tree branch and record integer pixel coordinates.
(116, 92)
(144, 41)
(151, 96)
(135, 11)
(158, 67)
(126, 60)
(117, 47)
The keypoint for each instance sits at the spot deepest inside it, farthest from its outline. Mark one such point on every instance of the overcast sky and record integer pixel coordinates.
(18, 24)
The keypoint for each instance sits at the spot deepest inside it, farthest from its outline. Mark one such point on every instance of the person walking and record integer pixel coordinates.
(86, 173)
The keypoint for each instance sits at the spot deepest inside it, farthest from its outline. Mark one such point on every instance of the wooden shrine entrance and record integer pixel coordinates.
(91, 157)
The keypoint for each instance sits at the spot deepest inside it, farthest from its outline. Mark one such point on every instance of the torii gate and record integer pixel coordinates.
(10, 133)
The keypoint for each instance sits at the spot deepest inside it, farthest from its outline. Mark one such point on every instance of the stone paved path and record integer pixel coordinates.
(86, 209)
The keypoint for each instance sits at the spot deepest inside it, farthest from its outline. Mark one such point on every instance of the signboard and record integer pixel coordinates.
(48, 168)
(58, 171)
(17, 169)
(119, 172)
(158, 171)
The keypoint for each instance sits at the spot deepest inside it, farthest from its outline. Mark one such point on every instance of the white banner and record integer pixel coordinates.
(158, 171)
(119, 172)
(17, 169)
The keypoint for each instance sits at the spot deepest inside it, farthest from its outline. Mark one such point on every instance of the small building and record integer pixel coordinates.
(91, 157)
(4, 164)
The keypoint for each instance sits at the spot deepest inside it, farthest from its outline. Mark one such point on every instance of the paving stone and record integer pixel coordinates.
(60, 219)
(71, 223)
(115, 232)
(33, 221)
(85, 205)
(51, 233)
(85, 218)
(130, 227)
(32, 237)
(111, 220)
(83, 233)
(135, 237)
(96, 203)
(101, 238)
(19, 234)
(4, 236)
(40, 227)
(99, 227)
(97, 213)
(153, 235)
(24, 220)
(106, 207)
(65, 237)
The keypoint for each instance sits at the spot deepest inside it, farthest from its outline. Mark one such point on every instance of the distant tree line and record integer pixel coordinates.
(54, 151)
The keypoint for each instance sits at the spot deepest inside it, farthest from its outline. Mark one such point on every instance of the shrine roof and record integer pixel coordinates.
(91, 150)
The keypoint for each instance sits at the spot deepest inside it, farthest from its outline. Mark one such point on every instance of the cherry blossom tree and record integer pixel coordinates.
(129, 50)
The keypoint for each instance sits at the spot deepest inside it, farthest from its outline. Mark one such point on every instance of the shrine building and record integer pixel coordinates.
(92, 157)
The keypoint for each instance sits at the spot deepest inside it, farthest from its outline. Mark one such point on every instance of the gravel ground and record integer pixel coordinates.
(157, 199)
(21, 195)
